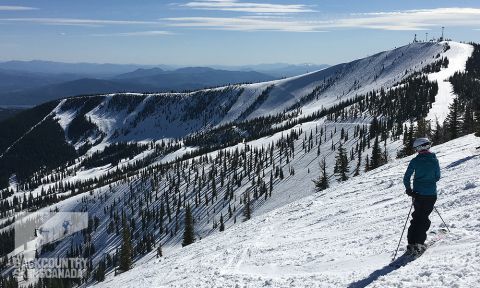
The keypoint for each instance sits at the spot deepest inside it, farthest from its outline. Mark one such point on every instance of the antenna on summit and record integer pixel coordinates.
(443, 28)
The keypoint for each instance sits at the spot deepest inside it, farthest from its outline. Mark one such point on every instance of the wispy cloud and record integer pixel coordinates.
(248, 7)
(77, 22)
(423, 19)
(406, 20)
(137, 33)
(16, 8)
(243, 24)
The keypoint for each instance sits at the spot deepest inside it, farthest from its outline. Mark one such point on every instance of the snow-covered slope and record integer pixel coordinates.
(382, 70)
(243, 167)
(457, 55)
(342, 237)
(138, 117)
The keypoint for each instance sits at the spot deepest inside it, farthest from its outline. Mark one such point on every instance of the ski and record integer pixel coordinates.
(407, 257)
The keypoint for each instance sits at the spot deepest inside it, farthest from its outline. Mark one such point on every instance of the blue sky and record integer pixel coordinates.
(224, 32)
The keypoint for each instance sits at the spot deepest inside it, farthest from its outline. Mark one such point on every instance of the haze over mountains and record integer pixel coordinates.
(34, 82)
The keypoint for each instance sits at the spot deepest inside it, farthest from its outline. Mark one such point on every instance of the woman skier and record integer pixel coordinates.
(424, 193)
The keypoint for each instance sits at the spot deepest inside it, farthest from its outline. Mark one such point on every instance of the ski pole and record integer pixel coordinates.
(406, 221)
(441, 218)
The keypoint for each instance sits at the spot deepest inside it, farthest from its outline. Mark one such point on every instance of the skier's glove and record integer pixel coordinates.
(410, 192)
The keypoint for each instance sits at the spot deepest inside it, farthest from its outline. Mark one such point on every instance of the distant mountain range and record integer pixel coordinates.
(34, 82)
(191, 78)
(143, 80)
(280, 70)
(12, 80)
(90, 69)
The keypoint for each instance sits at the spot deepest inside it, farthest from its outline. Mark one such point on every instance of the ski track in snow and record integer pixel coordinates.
(342, 237)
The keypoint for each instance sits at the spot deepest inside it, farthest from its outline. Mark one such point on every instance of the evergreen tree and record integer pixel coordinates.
(377, 155)
(159, 250)
(423, 128)
(437, 135)
(341, 163)
(322, 182)
(359, 163)
(374, 128)
(214, 188)
(367, 164)
(222, 225)
(247, 212)
(385, 152)
(100, 273)
(408, 138)
(126, 248)
(189, 232)
(468, 125)
(453, 123)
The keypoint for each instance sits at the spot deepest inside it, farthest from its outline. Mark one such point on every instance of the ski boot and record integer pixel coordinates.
(410, 250)
(418, 249)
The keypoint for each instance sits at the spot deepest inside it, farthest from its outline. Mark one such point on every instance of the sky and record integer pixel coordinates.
(225, 32)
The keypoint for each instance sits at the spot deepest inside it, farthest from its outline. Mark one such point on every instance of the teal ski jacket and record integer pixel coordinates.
(427, 173)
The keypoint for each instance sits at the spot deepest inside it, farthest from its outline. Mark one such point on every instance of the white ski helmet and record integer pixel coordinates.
(421, 144)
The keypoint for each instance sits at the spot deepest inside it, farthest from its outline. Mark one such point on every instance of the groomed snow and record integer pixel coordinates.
(342, 237)
(457, 56)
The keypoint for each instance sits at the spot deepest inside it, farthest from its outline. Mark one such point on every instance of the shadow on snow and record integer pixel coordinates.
(463, 160)
(399, 262)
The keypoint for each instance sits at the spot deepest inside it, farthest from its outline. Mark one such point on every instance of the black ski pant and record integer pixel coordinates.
(419, 225)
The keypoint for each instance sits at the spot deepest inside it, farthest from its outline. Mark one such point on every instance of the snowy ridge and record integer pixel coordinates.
(381, 70)
(144, 117)
(343, 237)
